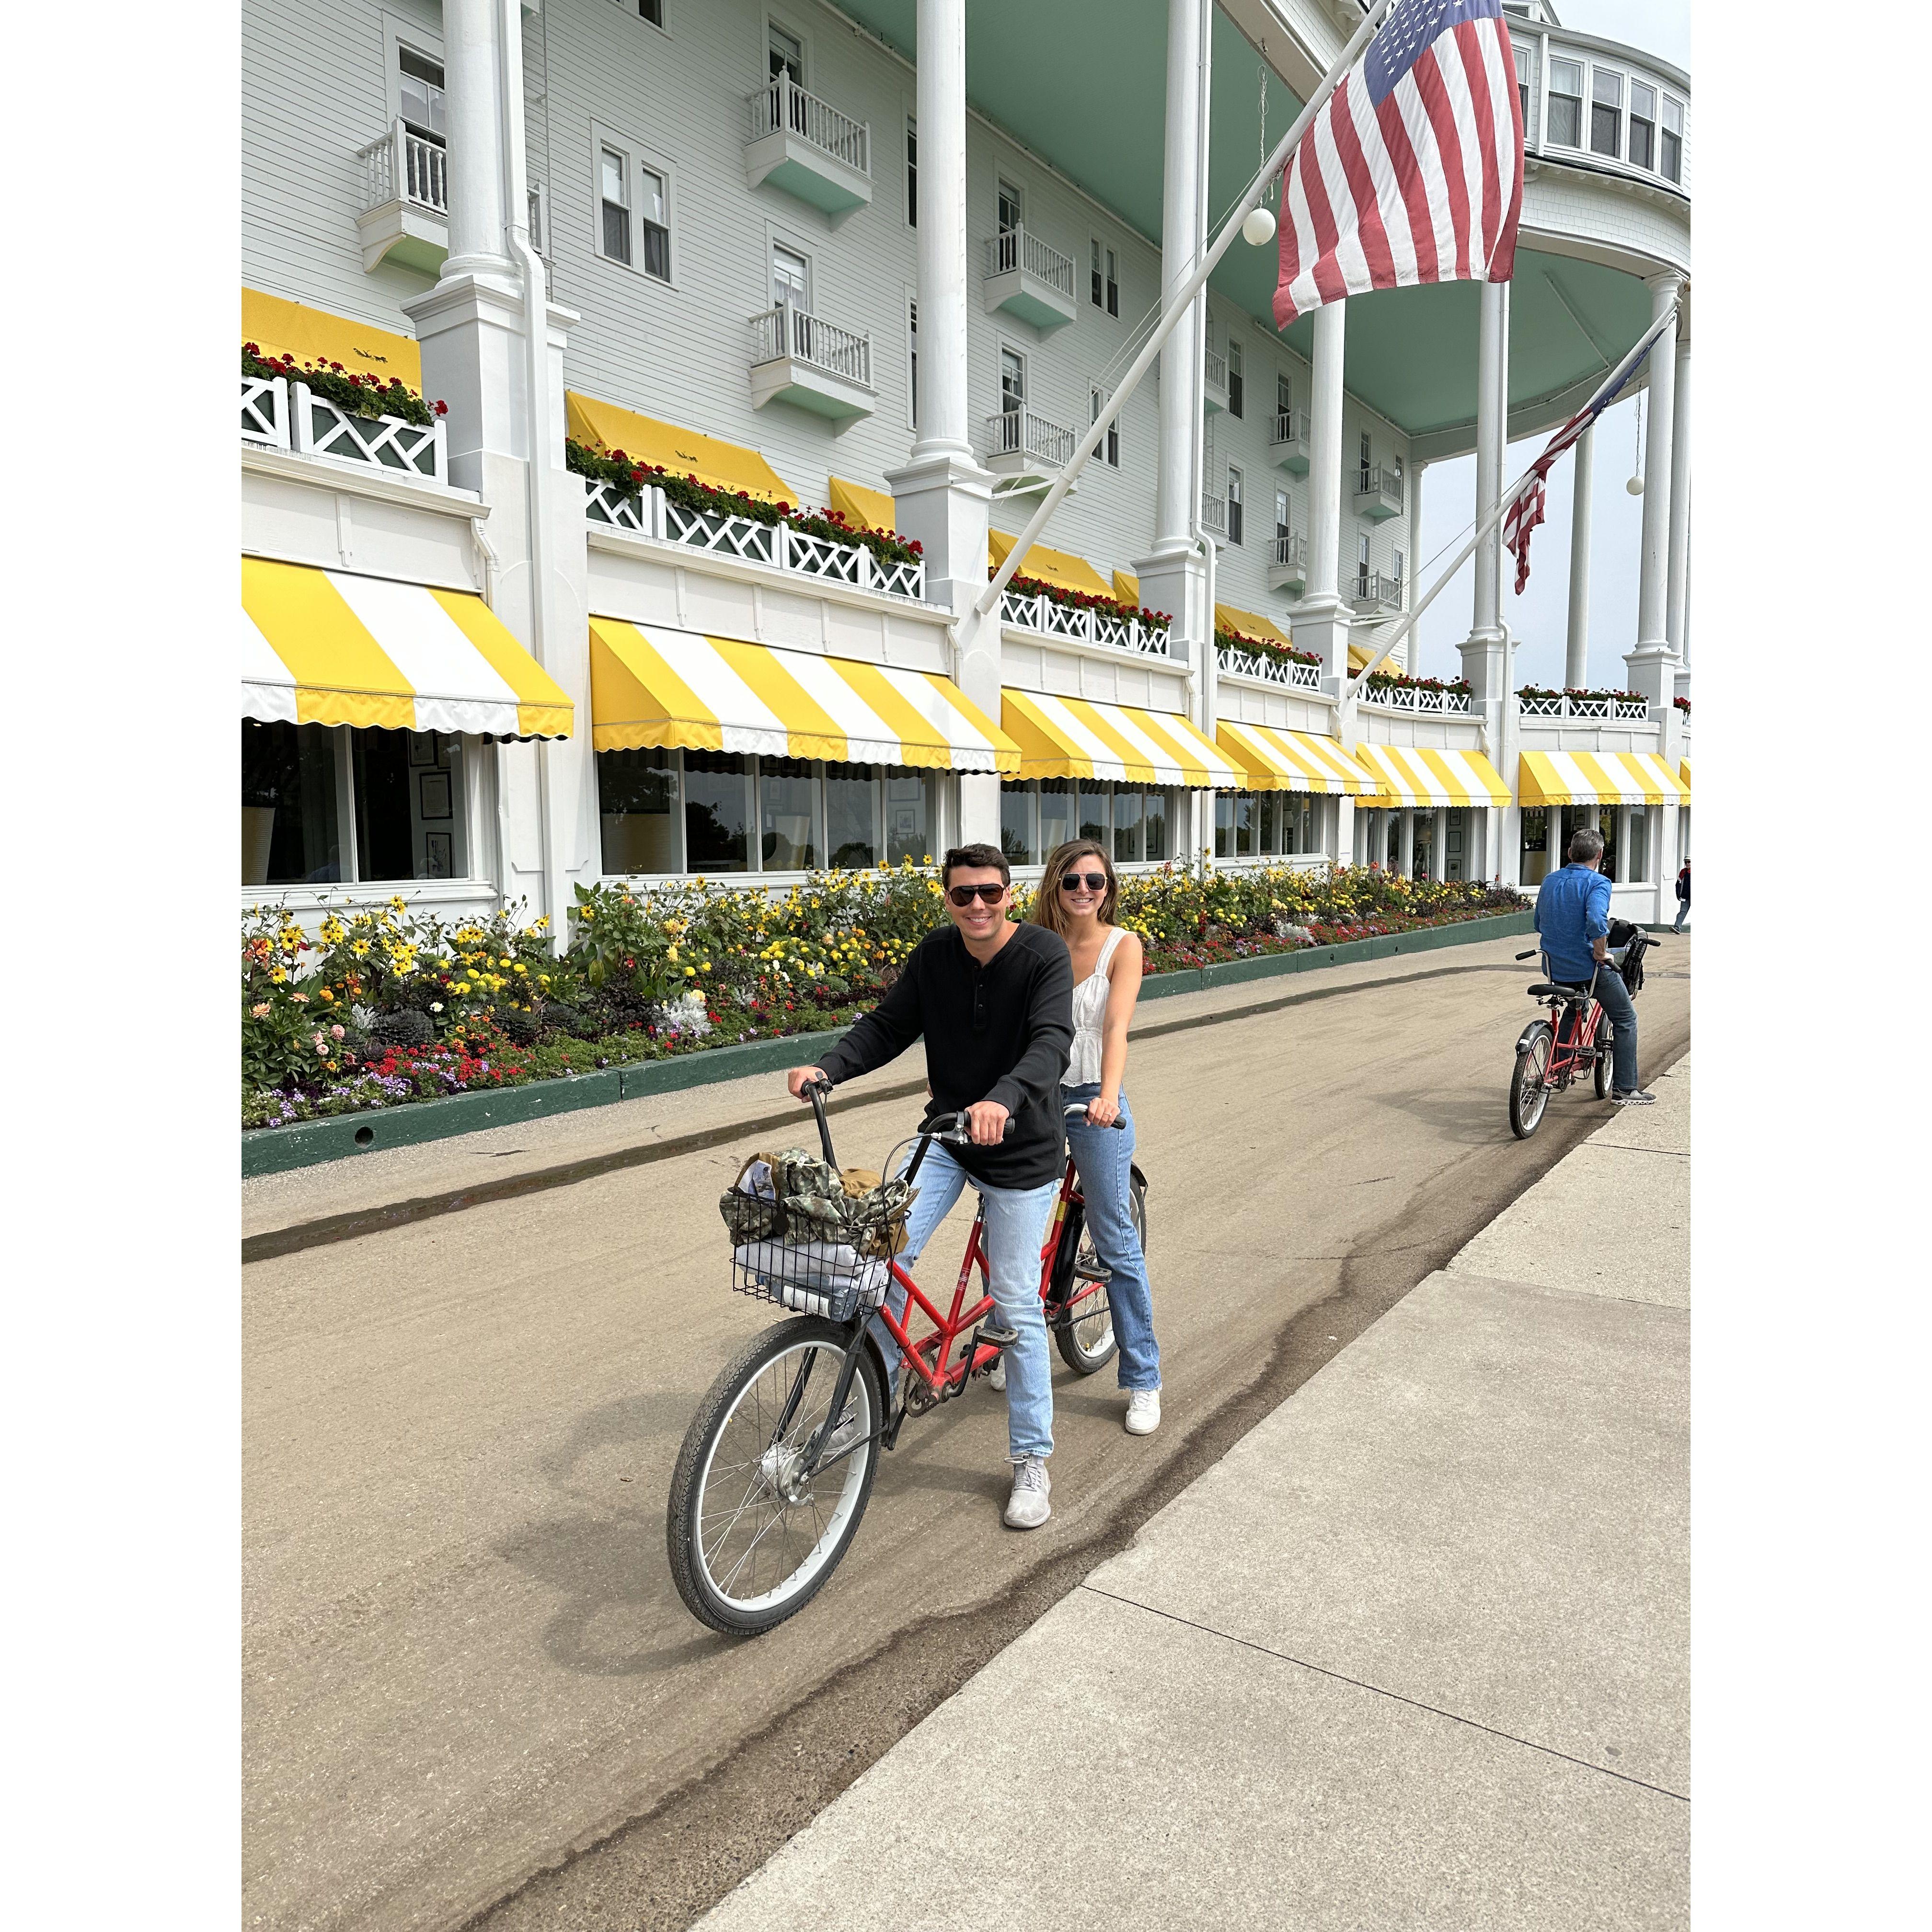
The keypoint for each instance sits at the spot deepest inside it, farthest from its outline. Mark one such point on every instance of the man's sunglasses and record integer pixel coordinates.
(989, 894)
(1072, 882)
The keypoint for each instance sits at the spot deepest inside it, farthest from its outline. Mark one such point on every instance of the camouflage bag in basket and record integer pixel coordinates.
(795, 1196)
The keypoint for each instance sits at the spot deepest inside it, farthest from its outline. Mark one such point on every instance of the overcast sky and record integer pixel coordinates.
(1540, 617)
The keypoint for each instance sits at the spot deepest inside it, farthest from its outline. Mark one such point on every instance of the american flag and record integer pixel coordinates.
(1525, 509)
(1412, 172)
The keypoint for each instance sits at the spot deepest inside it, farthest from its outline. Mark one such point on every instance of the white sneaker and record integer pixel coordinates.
(1028, 1508)
(996, 1376)
(1143, 1412)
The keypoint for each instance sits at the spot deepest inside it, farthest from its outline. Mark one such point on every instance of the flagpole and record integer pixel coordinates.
(1176, 306)
(1491, 517)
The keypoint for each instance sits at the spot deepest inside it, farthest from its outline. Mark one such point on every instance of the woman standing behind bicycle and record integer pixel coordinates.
(1078, 895)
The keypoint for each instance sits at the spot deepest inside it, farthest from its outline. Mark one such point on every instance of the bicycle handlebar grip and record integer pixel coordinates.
(1530, 954)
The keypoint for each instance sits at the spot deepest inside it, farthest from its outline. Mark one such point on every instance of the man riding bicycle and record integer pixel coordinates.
(994, 1000)
(1573, 917)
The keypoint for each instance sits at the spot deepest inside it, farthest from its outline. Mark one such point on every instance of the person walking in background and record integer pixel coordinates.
(1683, 897)
(1078, 893)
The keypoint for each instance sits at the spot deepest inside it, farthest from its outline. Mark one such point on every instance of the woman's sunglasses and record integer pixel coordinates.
(1072, 882)
(989, 894)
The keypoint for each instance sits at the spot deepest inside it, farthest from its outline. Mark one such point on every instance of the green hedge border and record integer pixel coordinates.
(279, 1150)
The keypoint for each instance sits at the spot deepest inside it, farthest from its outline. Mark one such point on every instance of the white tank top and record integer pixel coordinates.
(1090, 1008)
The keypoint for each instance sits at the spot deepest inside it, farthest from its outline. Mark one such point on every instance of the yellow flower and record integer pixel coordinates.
(691, 972)
(401, 903)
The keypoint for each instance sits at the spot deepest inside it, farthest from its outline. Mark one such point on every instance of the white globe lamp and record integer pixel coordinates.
(1258, 228)
(1635, 486)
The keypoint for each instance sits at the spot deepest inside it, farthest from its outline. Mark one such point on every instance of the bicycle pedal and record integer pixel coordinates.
(996, 1338)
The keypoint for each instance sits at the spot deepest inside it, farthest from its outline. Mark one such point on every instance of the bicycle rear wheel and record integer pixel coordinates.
(1086, 1338)
(1528, 1095)
(751, 1542)
(1604, 1061)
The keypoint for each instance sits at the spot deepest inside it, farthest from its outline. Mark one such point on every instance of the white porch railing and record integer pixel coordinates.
(782, 104)
(1410, 697)
(1214, 367)
(420, 177)
(652, 514)
(265, 411)
(1276, 670)
(1014, 248)
(1630, 711)
(1087, 627)
(1021, 432)
(788, 331)
(1291, 552)
(1371, 589)
(1381, 479)
(1214, 513)
(1290, 426)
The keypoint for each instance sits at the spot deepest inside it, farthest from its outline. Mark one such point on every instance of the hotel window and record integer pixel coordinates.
(1011, 214)
(1606, 113)
(616, 195)
(717, 811)
(1017, 839)
(1035, 816)
(638, 808)
(634, 210)
(1362, 564)
(653, 224)
(327, 805)
(1056, 813)
(1280, 514)
(419, 94)
(1367, 463)
(1234, 384)
(1642, 126)
(1284, 405)
(791, 278)
(1110, 446)
(1012, 400)
(1524, 67)
(1566, 103)
(912, 171)
(1636, 865)
(1113, 281)
(1673, 139)
(785, 54)
(651, 11)
(1234, 505)
(1095, 821)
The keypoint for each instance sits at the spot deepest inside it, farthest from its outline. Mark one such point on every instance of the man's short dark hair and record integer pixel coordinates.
(1584, 845)
(978, 857)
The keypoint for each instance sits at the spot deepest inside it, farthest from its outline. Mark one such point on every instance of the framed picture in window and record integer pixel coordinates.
(433, 794)
(437, 855)
(422, 748)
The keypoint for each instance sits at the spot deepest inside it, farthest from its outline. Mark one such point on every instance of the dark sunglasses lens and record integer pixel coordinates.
(965, 895)
(1094, 882)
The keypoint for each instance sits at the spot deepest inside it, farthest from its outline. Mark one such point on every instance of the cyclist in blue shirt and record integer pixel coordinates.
(1573, 918)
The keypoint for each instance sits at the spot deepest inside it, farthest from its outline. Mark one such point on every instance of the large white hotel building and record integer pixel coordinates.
(885, 257)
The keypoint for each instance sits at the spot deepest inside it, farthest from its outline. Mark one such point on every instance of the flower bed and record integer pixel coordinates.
(1395, 680)
(629, 479)
(1683, 704)
(384, 1007)
(354, 395)
(1023, 586)
(1230, 639)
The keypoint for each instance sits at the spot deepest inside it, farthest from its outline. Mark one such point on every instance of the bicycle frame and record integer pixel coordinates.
(1578, 1054)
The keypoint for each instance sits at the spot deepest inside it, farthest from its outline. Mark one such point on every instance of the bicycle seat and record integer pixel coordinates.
(1546, 989)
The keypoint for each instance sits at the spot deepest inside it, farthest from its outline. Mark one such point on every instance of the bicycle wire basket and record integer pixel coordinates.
(828, 1278)
(799, 1259)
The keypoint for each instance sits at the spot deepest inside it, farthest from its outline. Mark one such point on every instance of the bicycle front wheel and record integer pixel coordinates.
(1527, 1094)
(751, 1540)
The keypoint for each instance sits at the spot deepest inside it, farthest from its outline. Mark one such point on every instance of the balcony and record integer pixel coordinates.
(652, 514)
(1043, 616)
(1378, 492)
(1026, 451)
(1287, 564)
(1289, 671)
(1214, 516)
(807, 148)
(799, 359)
(1029, 280)
(1603, 707)
(278, 414)
(1287, 442)
(1416, 698)
(405, 214)
(1372, 592)
(1214, 380)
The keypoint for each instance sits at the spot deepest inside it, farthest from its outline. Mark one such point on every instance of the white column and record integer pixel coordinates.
(1678, 570)
(1404, 653)
(1408, 847)
(941, 496)
(1438, 843)
(470, 59)
(1321, 617)
(1577, 650)
(1491, 435)
(1649, 663)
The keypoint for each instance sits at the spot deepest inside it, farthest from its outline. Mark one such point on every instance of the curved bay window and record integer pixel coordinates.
(670, 812)
(328, 805)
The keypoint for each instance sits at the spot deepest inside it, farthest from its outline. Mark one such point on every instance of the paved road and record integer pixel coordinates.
(471, 1695)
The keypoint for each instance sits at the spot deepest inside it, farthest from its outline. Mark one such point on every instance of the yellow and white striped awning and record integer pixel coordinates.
(651, 685)
(1684, 772)
(1275, 759)
(1600, 778)
(1413, 775)
(328, 647)
(1082, 738)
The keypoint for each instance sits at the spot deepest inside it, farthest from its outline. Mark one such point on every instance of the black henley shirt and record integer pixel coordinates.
(1000, 1032)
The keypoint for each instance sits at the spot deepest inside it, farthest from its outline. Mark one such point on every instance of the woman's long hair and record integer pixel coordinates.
(1049, 908)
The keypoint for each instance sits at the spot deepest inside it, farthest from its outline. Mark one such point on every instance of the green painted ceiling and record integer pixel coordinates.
(1082, 84)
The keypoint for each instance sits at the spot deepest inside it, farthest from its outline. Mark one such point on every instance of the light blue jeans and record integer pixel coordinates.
(1016, 1224)
(1102, 1156)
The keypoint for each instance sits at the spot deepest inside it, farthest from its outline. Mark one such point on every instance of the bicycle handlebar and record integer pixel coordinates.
(1077, 1111)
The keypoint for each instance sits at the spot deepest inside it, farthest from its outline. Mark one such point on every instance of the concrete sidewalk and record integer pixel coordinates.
(1414, 1654)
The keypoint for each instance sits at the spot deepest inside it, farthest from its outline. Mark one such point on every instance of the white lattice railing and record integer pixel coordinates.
(782, 104)
(1410, 697)
(420, 177)
(787, 331)
(1372, 590)
(283, 415)
(1214, 513)
(652, 514)
(265, 411)
(1017, 249)
(1021, 432)
(1275, 671)
(1622, 710)
(1054, 619)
